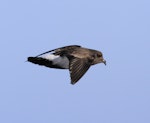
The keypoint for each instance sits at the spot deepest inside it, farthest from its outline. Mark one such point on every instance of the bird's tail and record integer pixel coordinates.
(43, 62)
(40, 61)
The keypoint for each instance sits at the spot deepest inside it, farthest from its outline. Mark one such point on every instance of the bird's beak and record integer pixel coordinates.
(104, 61)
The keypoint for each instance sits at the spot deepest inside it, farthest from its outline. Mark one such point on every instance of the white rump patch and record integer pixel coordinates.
(57, 60)
(50, 57)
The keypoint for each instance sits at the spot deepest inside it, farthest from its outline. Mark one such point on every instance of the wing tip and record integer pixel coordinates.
(73, 83)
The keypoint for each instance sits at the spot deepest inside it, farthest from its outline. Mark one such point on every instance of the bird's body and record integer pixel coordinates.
(75, 58)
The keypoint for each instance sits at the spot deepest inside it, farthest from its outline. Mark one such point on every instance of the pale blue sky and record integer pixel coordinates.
(116, 93)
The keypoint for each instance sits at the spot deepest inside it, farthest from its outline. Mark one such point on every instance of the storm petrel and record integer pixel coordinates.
(74, 57)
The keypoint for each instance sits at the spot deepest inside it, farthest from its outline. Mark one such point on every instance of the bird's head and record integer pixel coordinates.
(98, 58)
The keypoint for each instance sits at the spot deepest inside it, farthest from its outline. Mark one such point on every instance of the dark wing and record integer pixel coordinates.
(78, 68)
(61, 50)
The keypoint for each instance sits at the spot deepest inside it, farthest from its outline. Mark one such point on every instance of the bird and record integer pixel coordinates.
(73, 57)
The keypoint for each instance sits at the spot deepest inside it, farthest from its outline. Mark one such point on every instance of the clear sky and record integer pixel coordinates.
(116, 93)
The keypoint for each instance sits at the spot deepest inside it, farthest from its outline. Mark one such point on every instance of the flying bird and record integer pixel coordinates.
(74, 57)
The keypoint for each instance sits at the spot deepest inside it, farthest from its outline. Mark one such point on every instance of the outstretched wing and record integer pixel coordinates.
(57, 59)
(61, 50)
(78, 68)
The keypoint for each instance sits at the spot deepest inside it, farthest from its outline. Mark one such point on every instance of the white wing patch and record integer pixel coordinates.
(61, 61)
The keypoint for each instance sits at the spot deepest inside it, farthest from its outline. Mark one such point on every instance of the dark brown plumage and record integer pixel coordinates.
(74, 57)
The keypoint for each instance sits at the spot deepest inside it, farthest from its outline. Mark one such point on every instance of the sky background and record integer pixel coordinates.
(116, 93)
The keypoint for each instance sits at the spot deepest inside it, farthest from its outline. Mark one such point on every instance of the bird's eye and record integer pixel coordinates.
(99, 55)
